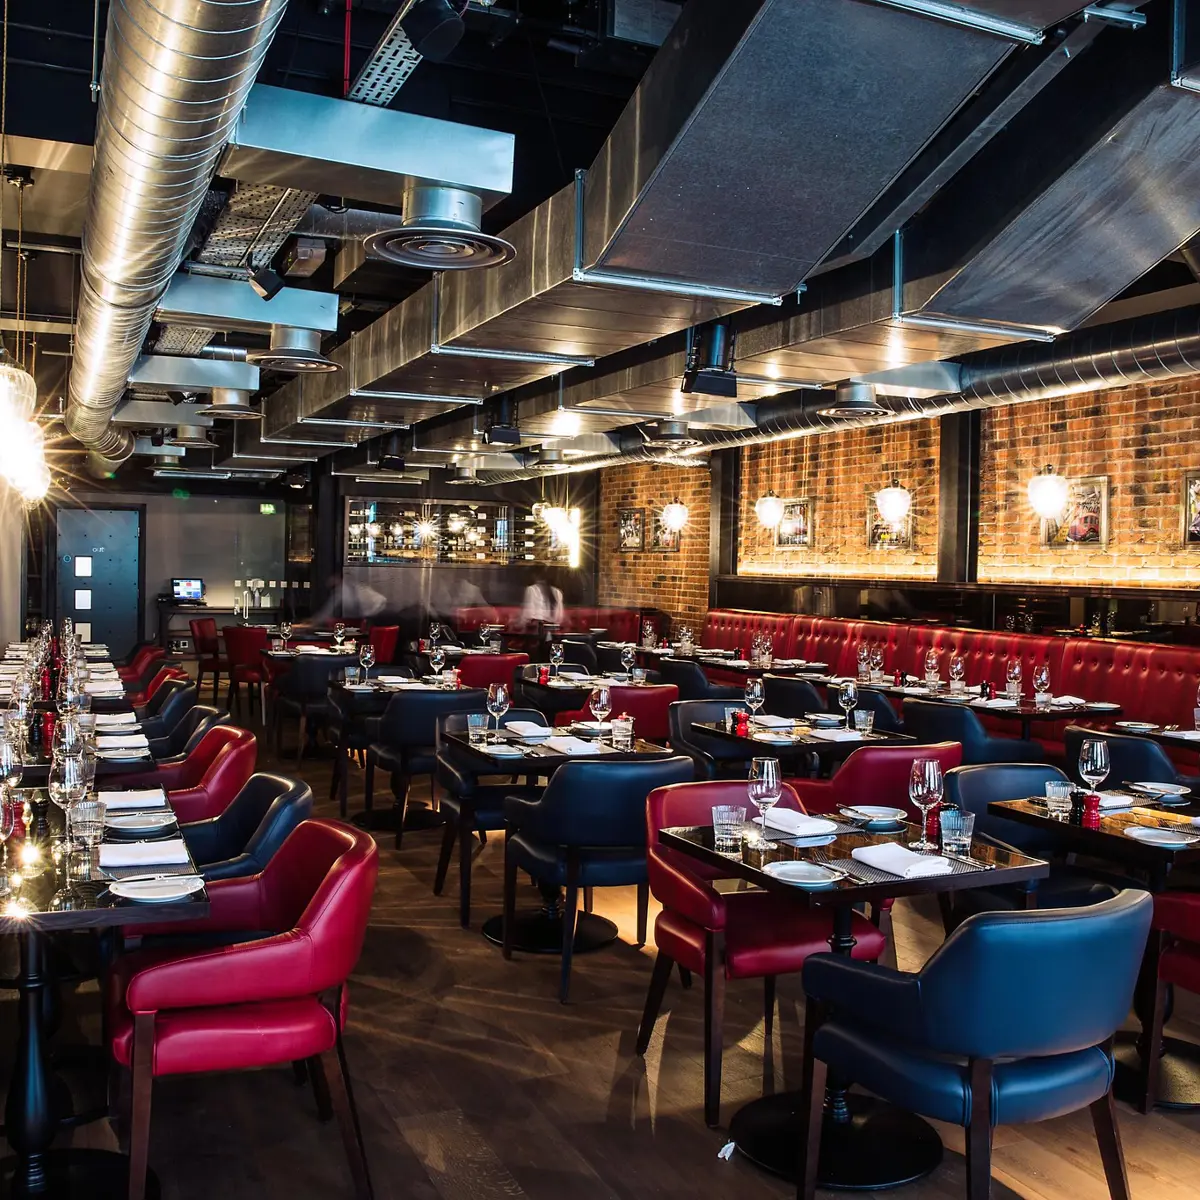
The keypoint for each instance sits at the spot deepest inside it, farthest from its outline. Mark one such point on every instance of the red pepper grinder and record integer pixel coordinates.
(543, 674)
(743, 724)
(933, 824)
(1091, 811)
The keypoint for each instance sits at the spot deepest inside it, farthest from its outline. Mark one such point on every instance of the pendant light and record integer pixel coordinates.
(674, 516)
(769, 510)
(894, 502)
(1048, 494)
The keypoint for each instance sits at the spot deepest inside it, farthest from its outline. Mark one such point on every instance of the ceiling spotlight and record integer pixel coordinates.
(674, 516)
(391, 454)
(894, 503)
(708, 368)
(1048, 494)
(266, 283)
(854, 400)
(434, 27)
(296, 480)
(769, 510)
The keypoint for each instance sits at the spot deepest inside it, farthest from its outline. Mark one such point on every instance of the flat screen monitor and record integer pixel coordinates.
(187, 589)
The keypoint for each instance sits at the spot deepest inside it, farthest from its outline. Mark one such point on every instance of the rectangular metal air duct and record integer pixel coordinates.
(174, 374)
(207, 302)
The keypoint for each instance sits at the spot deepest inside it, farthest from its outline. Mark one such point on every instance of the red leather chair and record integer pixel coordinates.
(244, 645)
(648, 705)
(383, 642)
(137, 699)
(144, 656)
(1177, 924)
(205, 783)
(478, 670)
(208, 651)
(739, 935)
(272, 1000)
(874, 775)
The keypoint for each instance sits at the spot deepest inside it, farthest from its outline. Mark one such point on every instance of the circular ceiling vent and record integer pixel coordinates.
(462, 475)
(854, 400)
(232, 404)
(194, 437)
(440, 232)
(669, 435)
(295, 351)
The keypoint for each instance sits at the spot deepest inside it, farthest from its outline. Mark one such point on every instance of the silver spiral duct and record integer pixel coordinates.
(176, 74)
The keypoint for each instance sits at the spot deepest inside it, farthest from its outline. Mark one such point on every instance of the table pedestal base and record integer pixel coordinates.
(383, 820)
(541, 932)
(1178, 1073)
(880, 1146)
(76, 1175)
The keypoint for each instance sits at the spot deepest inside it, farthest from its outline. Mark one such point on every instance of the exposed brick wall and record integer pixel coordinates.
(842, 472)
(1143, 438)
(677, 582)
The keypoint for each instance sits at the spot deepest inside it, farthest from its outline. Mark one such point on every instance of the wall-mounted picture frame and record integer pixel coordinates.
(795, 528)
(1084, 521)
(631, 529)
(882, 535)
(1190, 511)
(662, 539)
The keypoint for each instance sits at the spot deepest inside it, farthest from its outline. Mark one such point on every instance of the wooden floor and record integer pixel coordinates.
(474, 1083)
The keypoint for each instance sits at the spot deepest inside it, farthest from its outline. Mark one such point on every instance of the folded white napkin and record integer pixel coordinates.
(770, 722)
(798, 824)
(573, 675)
(572, 746)
(122, 741)
(1115, 800)
(168, 852)
(789, 662)
(135, 798)
(997, 702)
(916, 690)
(114, 720)
(1188, 735)
(1068, 701)
(837, 735)
(738, 662)
(103, 689)
(897, 860)
(528, 729)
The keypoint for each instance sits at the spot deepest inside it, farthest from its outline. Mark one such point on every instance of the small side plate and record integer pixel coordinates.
(157, 891)
(1161, 837)
(804, 874)
(1161, 789)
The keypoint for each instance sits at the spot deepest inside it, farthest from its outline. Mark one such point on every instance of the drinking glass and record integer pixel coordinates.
(765, 788)
(1041, 683)
(12, 758)
(1058, 798)
(498, 703)
(556, 656)
(628, 657)
(864, 720)
(1013, 678)
(68, 738)
(728, 822)
(66, 784)
(958, 828)
(8, 822)
(877, 662)
(754, 696)
(339, 633)
(477, 728)
(1093, 762)
(70, 691)
(285, 632)
(622, 733)
(925, 790)
(864, 661)
(933, 672)
(437, 659)
(848, 698)
(600, 702)
(958, 671)
(366, 657)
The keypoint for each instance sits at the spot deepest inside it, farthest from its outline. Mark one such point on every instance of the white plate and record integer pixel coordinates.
(136, 822)
(1160, 837)
(123, 755)
(157, 891)
(804, 874)
(782, 835)
(1103, 705)
(828, 719)
(1136, 726)
(772, 737)
(595, 727)
(874, 812)
(1161, 789)
(504, 750)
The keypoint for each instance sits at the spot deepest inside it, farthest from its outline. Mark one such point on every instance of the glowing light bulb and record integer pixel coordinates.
(769, 510)
(1048, 494)
(426, 531)
(894, 503)
(674, 516)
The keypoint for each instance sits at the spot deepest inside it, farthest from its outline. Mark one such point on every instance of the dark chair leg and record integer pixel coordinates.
(569, 917)
(685, 978)
(659, 979)
(320, 1087)
(768, 1007)
(1152, 1050)
(587, 899)
(979, 1131)
(464, 867)
(812, 1108)
(142, 1069)
(400, 808)
(643, 911)
(301, 736)
(200, 681)
(216, 684)
(1108, 1137)
(300, 1071)
(510, 895)
(338, 1083)
(714, 1015)
(369, 783)
(449, 831)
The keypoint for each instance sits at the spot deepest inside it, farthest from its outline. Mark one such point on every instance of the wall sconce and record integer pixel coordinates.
(894, 503)
(769, 510)
(1048, 494)
(674, 516)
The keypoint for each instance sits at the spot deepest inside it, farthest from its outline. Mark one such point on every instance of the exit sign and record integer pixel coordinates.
(267, 510)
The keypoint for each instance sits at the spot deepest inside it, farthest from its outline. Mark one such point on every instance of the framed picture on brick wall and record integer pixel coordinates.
(1191, 510)
(631, 529)
(1084, 521)
(883, 535)
(662, 539)
(795, 528)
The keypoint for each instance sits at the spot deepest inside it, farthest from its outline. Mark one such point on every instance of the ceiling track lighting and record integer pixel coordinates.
(769, 510)
(674, 516)
(1048, 494)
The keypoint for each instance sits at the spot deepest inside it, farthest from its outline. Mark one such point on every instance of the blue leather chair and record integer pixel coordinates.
(469, 806)
(302, 691)
(587, 829)
(936, 721)
(1131, 759)
(689, 677)
(353, 724)
(974, 788)
(786, 696)
(1010, 1021)
(580, 653)
(713, 757)
(244, 838)
(176, 743)
(164, 710)
(886, 717)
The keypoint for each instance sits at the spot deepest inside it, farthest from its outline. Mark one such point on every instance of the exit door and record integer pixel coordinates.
(99, 574)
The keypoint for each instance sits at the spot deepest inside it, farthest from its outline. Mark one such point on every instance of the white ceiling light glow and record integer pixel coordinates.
(894, 503)
(1048, 494)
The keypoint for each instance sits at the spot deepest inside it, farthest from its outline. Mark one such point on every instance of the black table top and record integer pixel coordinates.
(800, 740)
(1025, 709)
(51, 900)
(545, 758)
(1003, 866)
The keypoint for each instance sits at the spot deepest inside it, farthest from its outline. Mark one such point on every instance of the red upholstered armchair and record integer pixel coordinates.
(874, 775)
(383, 641)
(141, 660)
(1177, 923)
(648, 706)
(739, 935)
(208, 652)
(478, 670)
(273, 1000)
(137, 699)
(205, 783)
(244, 645)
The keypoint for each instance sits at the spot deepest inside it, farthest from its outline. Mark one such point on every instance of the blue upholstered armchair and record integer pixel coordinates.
(1010, 1021)
(936, 721)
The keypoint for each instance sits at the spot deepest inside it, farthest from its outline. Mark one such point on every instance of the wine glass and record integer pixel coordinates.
(556, 655)
(1041, 682)
(600, 702)
(754, 696)
(1013, 675)
(12, 758)
(285, 632)
(876, 661)
(339, 633)
(864, 661)
(765, 788)
(498, 703)
(1093, 762)
(628, 657)
(924, 790)
(932, 668)
(366, 657)
(66, 784)
(8, 823)
(68, 738)
(437, 658)
(958, 672)
(848, 698)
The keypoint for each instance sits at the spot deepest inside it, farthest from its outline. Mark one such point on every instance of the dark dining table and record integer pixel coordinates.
(866, 1144)
(53, 901)
(1151, 866)
(802, 741)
